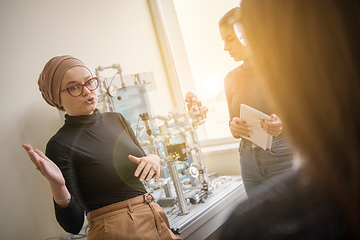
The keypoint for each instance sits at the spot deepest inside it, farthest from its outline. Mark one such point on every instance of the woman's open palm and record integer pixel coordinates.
(47, 167)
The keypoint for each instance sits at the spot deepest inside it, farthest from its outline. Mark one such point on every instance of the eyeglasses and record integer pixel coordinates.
(77, 89)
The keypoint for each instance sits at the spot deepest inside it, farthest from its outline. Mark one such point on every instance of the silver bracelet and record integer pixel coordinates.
(64, 199)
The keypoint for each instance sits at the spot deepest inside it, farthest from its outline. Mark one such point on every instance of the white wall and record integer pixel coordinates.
(97, 32)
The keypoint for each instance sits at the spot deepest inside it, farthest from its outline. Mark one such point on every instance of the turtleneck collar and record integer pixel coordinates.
(83, 119)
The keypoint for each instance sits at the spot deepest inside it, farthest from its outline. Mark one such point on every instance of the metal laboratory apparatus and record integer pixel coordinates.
(195, 202)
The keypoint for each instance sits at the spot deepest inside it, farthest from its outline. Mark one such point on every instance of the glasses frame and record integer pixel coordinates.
(82, 87)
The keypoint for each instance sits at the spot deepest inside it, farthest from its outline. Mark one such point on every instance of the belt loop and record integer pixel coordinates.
(241, 145)
(147, 197)
(129, 206)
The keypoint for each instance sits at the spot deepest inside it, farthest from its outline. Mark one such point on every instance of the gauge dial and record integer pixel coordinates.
(112, 91)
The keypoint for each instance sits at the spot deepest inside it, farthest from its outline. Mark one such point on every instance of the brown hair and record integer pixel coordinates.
(230, 18)
(308, 53)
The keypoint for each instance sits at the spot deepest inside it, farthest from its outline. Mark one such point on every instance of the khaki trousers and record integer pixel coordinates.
(142, 221)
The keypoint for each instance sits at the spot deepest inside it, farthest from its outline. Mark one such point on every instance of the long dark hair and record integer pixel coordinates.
(308, 53)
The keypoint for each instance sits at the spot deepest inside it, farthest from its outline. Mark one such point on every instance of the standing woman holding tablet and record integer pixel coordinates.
(244, 86)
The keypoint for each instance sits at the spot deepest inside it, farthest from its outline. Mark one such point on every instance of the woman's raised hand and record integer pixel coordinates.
(47, 167)
(148, 165)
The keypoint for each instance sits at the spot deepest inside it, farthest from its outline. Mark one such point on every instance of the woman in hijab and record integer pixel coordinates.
(94, 163)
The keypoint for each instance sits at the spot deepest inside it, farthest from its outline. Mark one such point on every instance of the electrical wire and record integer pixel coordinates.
(113, 78)
(137, 127)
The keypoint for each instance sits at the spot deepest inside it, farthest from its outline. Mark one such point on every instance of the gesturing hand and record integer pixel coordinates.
(148, 165)
(47, 167)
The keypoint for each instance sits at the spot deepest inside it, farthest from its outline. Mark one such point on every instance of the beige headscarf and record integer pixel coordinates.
(51, 76)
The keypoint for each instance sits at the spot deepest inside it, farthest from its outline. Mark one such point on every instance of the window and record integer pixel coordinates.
(209, 62)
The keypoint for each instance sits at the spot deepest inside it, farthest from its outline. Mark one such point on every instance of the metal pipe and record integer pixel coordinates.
(171, 163)
(167, 189)
(195, 141)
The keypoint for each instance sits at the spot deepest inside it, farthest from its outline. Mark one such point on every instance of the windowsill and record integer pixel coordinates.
(221, 146)
(218, 141)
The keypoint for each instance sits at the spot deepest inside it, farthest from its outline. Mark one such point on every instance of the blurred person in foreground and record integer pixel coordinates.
(308, 54)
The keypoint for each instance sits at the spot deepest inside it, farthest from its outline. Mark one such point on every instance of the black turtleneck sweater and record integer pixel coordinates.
(92, 154)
